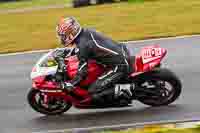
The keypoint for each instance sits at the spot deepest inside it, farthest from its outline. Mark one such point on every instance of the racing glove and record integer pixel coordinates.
(66, 86)
(61, 65)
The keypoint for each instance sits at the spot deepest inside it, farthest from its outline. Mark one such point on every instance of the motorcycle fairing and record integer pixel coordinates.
(93, 72)
(148, 58)
(39, 70)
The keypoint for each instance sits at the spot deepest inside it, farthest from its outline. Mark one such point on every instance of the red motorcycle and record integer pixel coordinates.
(154, 86)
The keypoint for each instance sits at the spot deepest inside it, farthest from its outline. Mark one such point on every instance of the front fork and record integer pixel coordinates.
(45, 99)
(47, 95)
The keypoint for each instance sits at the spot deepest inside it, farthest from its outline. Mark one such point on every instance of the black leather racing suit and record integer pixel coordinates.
(94, 45)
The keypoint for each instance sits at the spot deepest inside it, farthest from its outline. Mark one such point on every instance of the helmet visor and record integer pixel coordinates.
(65, 39)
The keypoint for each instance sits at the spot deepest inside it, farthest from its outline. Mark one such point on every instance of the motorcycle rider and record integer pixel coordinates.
(93, 45)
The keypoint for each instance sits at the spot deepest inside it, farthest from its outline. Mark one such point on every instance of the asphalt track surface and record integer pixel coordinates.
(16, 116)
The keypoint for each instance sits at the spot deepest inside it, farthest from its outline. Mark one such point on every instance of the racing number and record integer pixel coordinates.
(153, 52)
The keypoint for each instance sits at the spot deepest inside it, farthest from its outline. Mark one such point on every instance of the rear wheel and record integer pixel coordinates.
(54, 107)
(160, 87)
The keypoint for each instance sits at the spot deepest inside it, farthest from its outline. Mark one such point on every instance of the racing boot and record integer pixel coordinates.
(124, 93)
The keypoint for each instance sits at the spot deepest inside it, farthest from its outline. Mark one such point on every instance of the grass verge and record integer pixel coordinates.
(30, 3)
(122, 21)
(157, 129)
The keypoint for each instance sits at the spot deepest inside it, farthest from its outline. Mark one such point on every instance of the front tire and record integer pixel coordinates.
(163, 76)
(39, 107)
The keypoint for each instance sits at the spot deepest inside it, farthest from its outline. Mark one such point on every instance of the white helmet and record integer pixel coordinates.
(67, 30)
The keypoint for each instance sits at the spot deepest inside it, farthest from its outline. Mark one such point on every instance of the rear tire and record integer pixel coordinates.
(162, 75)
(41, 109)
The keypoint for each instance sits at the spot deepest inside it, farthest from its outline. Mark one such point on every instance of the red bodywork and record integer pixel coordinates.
(146, 60)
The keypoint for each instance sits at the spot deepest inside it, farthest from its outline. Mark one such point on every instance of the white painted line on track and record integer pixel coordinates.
(26, 52)
(133, 125)
(126, 42)
(164, 38)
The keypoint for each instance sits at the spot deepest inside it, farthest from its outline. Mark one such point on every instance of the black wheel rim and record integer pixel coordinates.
(164, 89)
(52, 106)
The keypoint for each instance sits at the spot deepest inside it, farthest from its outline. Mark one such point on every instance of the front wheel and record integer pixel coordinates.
(161, 87)
(55, 106)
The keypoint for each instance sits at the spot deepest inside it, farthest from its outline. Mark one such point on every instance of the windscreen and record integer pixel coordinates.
(48, 60)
